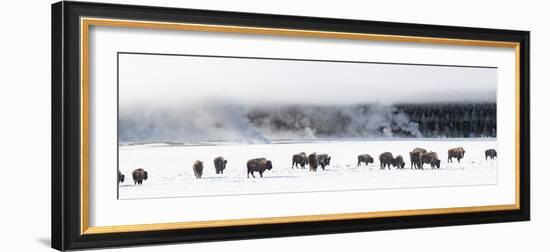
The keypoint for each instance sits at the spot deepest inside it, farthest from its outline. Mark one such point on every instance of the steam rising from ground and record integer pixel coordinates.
(262, 124)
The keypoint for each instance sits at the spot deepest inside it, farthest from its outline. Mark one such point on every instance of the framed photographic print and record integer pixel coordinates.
(224, 125)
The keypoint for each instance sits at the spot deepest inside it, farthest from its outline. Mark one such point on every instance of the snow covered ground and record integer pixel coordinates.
(169, 167)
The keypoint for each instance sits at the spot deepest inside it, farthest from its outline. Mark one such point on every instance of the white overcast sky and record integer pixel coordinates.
(157, 79)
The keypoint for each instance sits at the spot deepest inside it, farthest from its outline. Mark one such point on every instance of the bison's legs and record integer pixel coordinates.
(261, 174)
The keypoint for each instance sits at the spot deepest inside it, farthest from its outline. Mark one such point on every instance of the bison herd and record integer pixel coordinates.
(418, 158)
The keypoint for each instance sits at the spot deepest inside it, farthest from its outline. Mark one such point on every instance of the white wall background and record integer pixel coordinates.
(25, 124)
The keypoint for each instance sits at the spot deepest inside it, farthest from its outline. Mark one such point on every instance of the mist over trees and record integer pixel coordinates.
(262, 124)
(374, 120)
(454, 120)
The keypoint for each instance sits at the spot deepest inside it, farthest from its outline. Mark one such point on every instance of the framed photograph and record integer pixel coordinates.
(183, 125)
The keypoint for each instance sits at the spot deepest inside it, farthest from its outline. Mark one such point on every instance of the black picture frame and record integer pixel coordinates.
(66, 114)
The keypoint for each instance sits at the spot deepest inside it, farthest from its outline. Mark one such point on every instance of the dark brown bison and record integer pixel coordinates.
(364, 158)
(429, 158)
(492, 153)
(386, 159)
(418, 149)
(457, 153)
(258, 165)
(299, 159)
(313, 161)
(120, 176)
(398, 162)
(139, 175)
(415, 159)
(197, 168)
(324, 160)
(219, 164)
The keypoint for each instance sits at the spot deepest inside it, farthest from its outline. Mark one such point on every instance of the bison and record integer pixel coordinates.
(386, 159)
(324, 160)
(313, 161)
(430, 158)
(139, 175)
(418, 149)
(258, 165)
(457, 153)
(197, 168)
(299, 159)
(415, 159)
(492, 153)
(364, 158)
(219, 164)
(398, 162)
(120, 177)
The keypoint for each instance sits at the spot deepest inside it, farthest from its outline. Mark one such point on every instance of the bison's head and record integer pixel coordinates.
(394, 162)
(269, 165)
(328, 160)
(145, 175)
(437, 163)
(121, 178)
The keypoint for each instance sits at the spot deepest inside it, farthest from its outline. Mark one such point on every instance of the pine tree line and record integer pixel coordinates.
(403, 120)
(453, 120)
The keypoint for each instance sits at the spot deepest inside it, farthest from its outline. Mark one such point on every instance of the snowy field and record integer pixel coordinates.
(169, 167)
